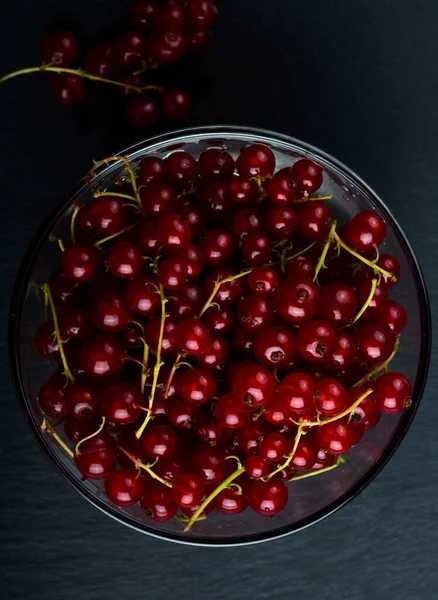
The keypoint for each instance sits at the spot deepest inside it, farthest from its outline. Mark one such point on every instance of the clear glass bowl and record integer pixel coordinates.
(310, 499)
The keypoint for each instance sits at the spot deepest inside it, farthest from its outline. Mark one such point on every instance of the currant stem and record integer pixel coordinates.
(125, 161)
(367, 262)
(321, 260)
(217, 285)
(212, 496)
(289, 258)
(45, 427)
(61, 245)
(290, 457)
(81, 73)
(339, 461)
(146, 468)
(158, 363)
(381, 367)
(144, 369)
(114, 235)
(367, 301)
(72, 223)
(98, 194)
(312, 199)
(48, 295)
(89, 437)
(175, 366)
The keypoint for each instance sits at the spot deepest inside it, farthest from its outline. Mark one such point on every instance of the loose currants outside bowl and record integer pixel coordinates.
(310, 498)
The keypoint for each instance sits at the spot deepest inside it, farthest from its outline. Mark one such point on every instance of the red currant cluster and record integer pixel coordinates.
(160, 33)
(218, 336)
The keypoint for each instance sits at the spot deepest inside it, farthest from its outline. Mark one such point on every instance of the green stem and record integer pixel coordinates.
(321, 260)
(367, 262)
(89, 437)
(381, 367)
(144, 369)
(290, 457)
(72, 223)
(289, 258)
(129, 169)
(81, 73)
(98, 194)
(48, 294)
(114, 235)
(45, 427)
(212, 496)
(368, 300)
(61, 245)
(146, 468)
(339, 460)
(217, 285)
(313, 199)
(158, 364)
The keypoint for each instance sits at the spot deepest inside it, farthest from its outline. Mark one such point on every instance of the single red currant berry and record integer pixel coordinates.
(374, 344)
(60, 48)
(102, 355)
(151, 170)
(255, 312)
(200, 13)
(281, 222)
(255, 386)
(256, 467)
(209, 462)
(181, 414)
(167, 47)
(193, 256)
(307, 176)
(273, 447)
(216, 355)
(121, 402)
(274, 346)
(366, 412)
(295, 392)
(192, 337)
(230, 502)
(218, 247)
(141, 14)
(99, 61)
(172, 273)
(267, 498)
(124, 487)
(246, 221)
(390, 264)
(97, 457)
(281, 189)
(229, 292)
(276, 414)
(330, 398)
(152, 335)
(220, 319)
(242, 190)
(364, 231)
(129, 49)
(110, 312)
(80, 262)
(324, 459)
(336, 437)
(316, 340)
(147, 238)
(315, 221)
(231, 413)
(263, 280)
(257, 248)
(339, 304)
(393, 393)
(251, 436)
(300, 267)
(69, 89)
(182, 169)
(208, 430)
(142, 112)
(297, 300)
(142, 295)
(52, 397)
(83, 401)
(187, 489)
(125, 260)
(392, 317)
(306, 452)
(377, 301)
(197, 386)
(174, 231)
(216, 163)
(157, 502)
(175, 104)
(169, 17)
(159, 441)
(344, 354)
(158, 197)
(256, 160)
(74, 324)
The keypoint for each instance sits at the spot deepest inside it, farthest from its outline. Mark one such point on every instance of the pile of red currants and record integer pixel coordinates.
(159, 33)
(217, 334)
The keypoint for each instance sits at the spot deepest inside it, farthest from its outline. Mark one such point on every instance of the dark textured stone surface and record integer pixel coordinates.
(358, 79)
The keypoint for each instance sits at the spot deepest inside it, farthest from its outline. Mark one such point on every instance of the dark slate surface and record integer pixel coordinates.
(360, 80)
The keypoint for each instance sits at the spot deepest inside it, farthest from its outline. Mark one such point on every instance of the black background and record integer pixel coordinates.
(359, 79)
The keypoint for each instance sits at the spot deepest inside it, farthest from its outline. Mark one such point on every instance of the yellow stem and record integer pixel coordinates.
(158, 364)
(144, 369)
(114, 235)
(72, 223)
(125, 161)
(370, 263)
(368, 300)
(312, 199)
(61, 245)
(48, 294)
(98, 194)
(381, 367)
(217, 285)
(146, 468)
(45, 427)
(213, 495)
(290, 457)
(81, 73)
(89, 437)
(321, 260)
(339, 460)
(289, 258)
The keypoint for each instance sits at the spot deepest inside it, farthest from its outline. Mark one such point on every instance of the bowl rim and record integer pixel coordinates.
(19, 296)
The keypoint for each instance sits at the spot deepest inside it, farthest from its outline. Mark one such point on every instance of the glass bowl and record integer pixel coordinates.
(311, 499)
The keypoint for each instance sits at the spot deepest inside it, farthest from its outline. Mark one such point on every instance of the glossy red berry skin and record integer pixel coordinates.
(174, 231)
(336, 437)
(217, 164)
(254, 386)
(281, 222)
(124, 487)
(295, 392)
(83, 401)
(96, 458)
(255, 312)
(69, 89)
(364, 231)
(216, 355)
(323, 460)
(231, 413)
(125, 260)
(306, 453)
(173, 273)
(146, 238)
(330, 398)
(251, 436)
(315, 221)
(141, 14)
(300, 267)
(158, 198)
(52, 397)
(390, 264)
(230, 502)
(198, 40)
(102, 355)
(60, 48)
(281, 189)
(181, 415)
(142, 112)
(273, 447)
(242, 190)
(152, 334)
(245, 222)
(374, 344)
(192, 337)
(209, 463)
(200, 13)
(243, 342)
(256, 160)
(344, 354)
(339, 304)
(267, 498)
(99, 61)
(377, 301)
(129, 49)
(366, 412)
(256, 467)
(194, 258)
(110, 312)
(218, 247)
(159, 441)
(307, 176)
(151, 169)
(167, 47)
(80, 262)
(275, 414)
(142, 295)
(257, 249)
(175, 104)
(182, 169)
(187, 489)
(121, 402)
(220, 320)
(64, 291)
(169, 17)
(229, 292)
(157, 502)
(393, 392)
(392, 317)
(45, 342)
(297, 300)
(76, 430)
(274, 347)
(197, 386)
(263, 280)
(316, 340)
